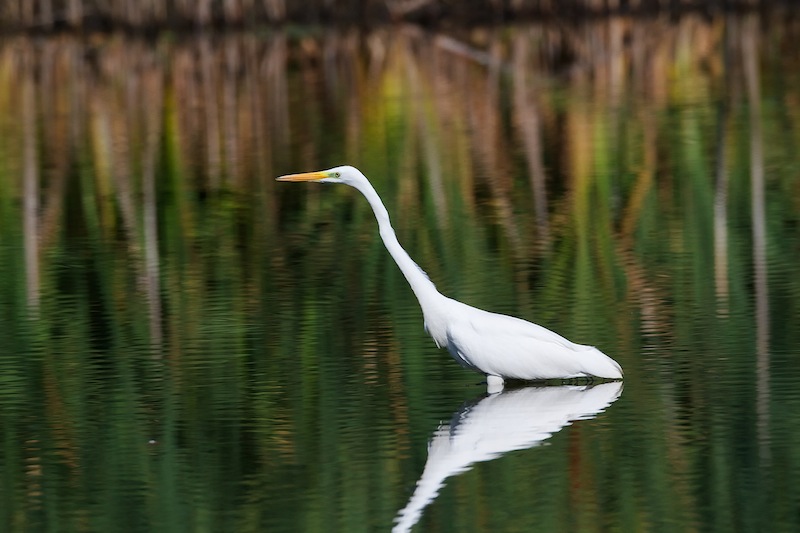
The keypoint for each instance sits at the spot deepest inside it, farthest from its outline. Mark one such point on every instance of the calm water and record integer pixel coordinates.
(186, 345)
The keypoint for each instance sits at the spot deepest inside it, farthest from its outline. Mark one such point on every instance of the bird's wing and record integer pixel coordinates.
(511, 347)
(485, 323)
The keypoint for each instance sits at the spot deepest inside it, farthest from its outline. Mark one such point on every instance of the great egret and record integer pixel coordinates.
(499, 346)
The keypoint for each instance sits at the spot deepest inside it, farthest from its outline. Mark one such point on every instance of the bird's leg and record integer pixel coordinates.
(494, 384)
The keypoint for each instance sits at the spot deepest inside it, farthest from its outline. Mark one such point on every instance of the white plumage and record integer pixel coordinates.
(499, 346)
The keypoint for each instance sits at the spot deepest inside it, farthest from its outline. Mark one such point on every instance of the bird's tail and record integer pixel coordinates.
(598, 364)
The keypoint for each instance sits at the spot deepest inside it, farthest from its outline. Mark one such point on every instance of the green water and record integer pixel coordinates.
(187, 345)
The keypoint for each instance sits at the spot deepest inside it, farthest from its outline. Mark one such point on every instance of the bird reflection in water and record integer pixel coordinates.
(497, 424)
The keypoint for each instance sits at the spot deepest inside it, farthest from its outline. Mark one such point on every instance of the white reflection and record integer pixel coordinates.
(497, 424)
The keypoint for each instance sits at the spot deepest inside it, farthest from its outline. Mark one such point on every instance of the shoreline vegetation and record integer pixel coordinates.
(188, 15)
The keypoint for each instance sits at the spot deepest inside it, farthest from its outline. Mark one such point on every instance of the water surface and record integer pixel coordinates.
(187, 345)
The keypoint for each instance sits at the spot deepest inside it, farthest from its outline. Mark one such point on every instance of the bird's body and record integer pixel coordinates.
(474, 337)
(499, 346)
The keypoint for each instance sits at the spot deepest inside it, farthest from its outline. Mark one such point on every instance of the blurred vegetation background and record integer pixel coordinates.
(186, 345)
(149, 14)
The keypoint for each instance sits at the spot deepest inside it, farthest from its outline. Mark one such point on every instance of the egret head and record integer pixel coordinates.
(349, 176)
(343, 174)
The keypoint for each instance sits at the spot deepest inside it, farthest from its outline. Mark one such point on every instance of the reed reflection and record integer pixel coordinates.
(486, 428)
(581, 175)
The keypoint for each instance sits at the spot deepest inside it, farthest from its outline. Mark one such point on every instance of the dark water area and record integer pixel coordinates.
(188, 345)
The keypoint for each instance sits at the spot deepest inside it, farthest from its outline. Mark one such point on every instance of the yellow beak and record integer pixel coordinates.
(305, 176)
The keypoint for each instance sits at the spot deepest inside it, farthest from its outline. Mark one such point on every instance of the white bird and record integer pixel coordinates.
(498, 424)
(499, 346)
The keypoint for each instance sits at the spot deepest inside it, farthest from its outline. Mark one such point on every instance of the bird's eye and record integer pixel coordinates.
(336, 175)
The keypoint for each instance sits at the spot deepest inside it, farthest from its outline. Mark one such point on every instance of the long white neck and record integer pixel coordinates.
(422, 286)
